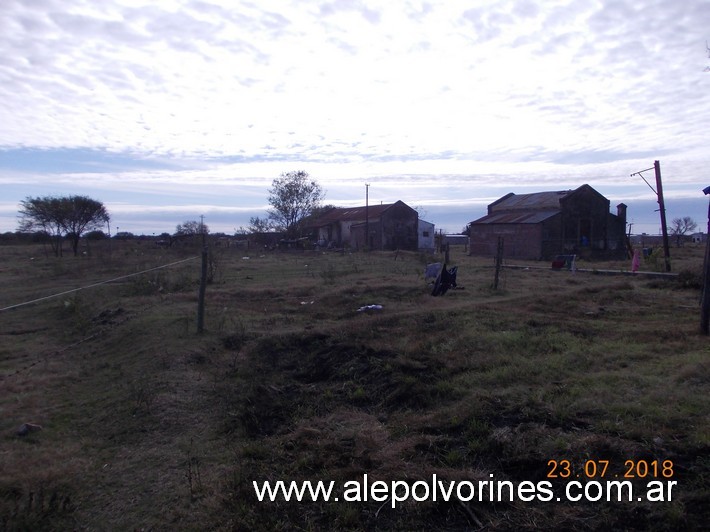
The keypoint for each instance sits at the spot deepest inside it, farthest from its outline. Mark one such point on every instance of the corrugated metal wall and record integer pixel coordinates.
(521, 241)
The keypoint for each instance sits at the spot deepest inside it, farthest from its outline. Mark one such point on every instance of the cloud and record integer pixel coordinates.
(345, 6)
(193, 80)
(166, 98)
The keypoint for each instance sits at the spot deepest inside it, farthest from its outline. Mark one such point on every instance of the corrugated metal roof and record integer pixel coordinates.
(513, 217)
(536, 201)
(351, 214)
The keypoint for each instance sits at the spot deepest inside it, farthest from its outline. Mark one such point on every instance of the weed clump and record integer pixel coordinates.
(689, 279)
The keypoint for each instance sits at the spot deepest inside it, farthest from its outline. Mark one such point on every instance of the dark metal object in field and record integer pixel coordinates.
(26, 428)
(445, 281)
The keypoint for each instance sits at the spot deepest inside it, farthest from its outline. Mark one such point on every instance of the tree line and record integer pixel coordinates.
(293, 197)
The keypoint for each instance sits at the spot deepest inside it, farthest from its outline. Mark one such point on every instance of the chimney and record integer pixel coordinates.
(621, 212)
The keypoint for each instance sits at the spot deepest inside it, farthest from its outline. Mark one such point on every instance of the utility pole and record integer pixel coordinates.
(367, 217)
(705, 301)
(662, 207)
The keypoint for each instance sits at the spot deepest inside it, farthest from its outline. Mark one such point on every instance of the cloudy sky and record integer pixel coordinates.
(171, 109)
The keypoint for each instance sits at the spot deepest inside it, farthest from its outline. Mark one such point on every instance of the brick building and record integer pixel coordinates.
(390, 226)
(544, 224)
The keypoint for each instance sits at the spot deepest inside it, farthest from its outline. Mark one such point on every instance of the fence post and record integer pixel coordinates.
(499, 259)
(705, 300)
(201, 295)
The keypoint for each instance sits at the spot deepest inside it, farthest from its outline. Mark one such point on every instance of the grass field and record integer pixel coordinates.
(148, 425)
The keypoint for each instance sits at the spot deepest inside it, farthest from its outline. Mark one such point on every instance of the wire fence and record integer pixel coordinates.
(272, 270)
(93, 285)
(113, 323)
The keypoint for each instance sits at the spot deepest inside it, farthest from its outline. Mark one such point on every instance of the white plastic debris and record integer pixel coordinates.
(370, 307)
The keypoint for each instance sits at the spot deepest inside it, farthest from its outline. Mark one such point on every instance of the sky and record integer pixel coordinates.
(172, 109)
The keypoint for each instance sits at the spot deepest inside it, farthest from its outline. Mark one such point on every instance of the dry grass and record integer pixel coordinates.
(147, 425)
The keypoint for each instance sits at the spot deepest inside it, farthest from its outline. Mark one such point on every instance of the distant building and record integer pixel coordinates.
(381, 227)
(544, 224)
(455, 240)
(645, 240)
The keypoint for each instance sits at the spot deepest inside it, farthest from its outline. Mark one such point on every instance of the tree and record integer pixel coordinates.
(67, 216)
(96, 234)
(83, 214)
(421, 212)
(293, 197)
(682, 226)
(260, 225)
(43, 215)
(191, 227)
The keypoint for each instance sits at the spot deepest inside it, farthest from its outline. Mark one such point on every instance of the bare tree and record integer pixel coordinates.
(421, 212)
(293, 197)
(682, 226)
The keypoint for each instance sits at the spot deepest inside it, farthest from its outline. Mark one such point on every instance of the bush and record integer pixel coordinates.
(690, 279)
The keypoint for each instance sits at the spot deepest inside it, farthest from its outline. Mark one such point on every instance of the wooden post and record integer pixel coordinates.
(446, 253)
(367, 218)
(662, 206)
(108, 226)
(499, 260)
(201, 294)
(203, 281)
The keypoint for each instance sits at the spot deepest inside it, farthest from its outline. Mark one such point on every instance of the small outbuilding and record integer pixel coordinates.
(426, 236)
(543, 225)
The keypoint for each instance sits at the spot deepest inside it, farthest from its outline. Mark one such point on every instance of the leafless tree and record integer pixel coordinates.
(681, 227)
